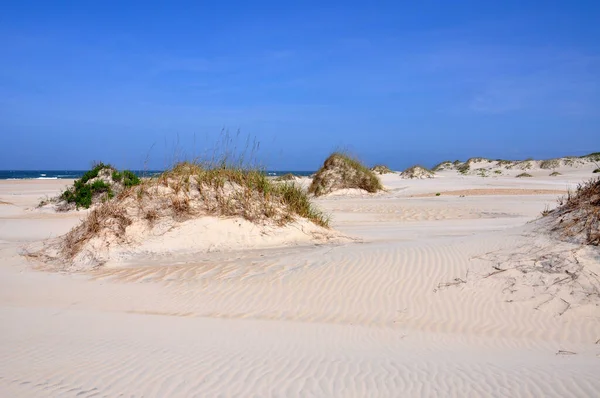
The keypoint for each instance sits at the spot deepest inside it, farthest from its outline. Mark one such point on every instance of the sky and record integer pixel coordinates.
(143, 84)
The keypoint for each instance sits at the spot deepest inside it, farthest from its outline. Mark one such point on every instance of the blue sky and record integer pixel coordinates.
(393, 82)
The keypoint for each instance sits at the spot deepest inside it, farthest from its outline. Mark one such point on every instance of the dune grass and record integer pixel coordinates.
(381, 169)
(463, 168)
(522, 175)
(238, 190)
(340, 171)
(441, 165)
(286, 177)
(549, 164)
(578, 214)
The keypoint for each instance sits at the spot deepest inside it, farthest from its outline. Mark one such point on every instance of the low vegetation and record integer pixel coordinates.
(381, 169)
(463, 168)
(554, 174)
(442, 166)
(341, 171)
(594, 156)
(186, 191)
(549, 164)
(596, 171)
(97, 185)
(286, 177)
(417, 171)
(577, 218)
(524, 175)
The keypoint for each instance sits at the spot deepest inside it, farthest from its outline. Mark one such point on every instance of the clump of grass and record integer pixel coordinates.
(497, 171)
(594, 156)
(596, 170)
(417, 171)
(286, 177)
(578, 214)
(524, 175)
(340, 171)
(110, 219)
(554, 174)
(503, 162)
(441, 166)
(463, 168)
(549, 164)
(546, 211)
(297, 201)
(381, 169)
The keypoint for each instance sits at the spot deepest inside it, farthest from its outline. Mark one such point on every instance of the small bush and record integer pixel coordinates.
(130, 179)
(596, 171)
(554, 174)
(83, 193)
(524, 175)
(116, 176)
(498, 171)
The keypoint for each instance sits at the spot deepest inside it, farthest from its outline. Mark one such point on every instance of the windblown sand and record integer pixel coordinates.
(407, 308)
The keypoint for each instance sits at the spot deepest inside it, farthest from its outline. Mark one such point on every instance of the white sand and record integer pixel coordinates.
(374, 317)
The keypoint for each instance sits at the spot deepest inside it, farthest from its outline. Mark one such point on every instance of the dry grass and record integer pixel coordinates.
(554, 174)
(550, 164)
(578, 216)
(286, 177)
(417, 171)
(381, 169)
(341, 171)
(442, 166)
(109, 219)
(524, 175)
(191, 190)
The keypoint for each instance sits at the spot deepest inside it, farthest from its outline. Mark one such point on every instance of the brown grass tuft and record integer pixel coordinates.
(341, 171)
(524, 175)
(578, 216)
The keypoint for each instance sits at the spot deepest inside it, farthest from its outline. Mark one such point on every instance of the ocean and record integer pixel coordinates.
(68, 174)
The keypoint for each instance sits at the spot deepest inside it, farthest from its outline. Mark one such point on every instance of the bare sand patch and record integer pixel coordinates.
(492, 191)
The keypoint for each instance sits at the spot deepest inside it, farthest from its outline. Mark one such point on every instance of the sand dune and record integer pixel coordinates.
(407, 308)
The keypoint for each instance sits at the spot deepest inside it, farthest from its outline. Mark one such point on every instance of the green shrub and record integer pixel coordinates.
(130, 179)
(116, 176)
(524, 175)
(596, 171)
(82, 192)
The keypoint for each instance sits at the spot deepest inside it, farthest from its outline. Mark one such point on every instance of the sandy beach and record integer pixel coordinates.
(407, 304)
